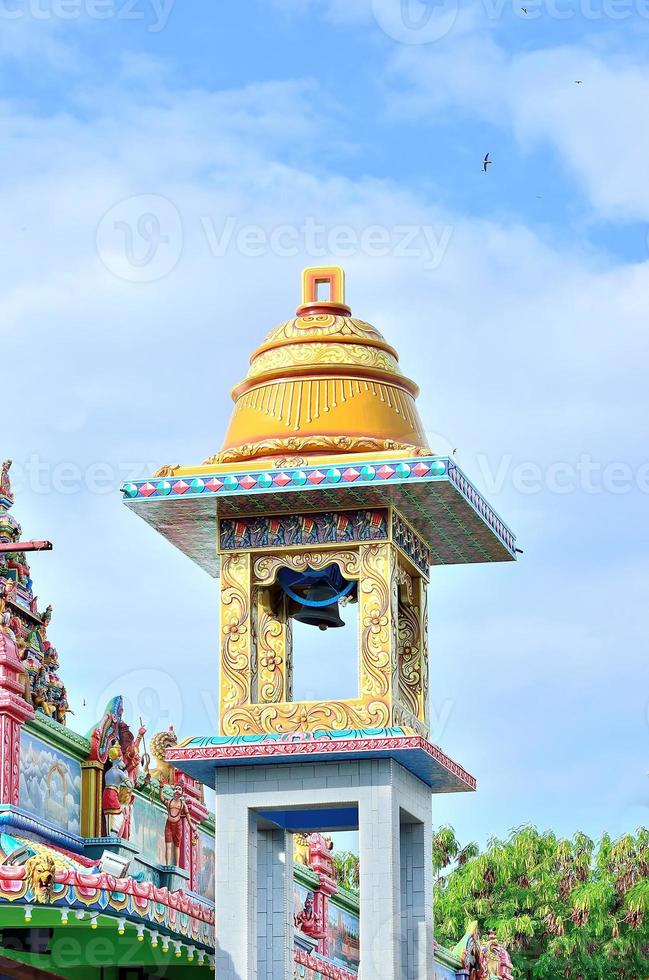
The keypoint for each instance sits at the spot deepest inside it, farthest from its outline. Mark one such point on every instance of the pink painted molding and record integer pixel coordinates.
(322, 968)
(301, 747)
(89, 885)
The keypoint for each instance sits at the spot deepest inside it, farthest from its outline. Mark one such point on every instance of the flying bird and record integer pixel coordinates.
(524, 9)
(486, 162)
(578, 81)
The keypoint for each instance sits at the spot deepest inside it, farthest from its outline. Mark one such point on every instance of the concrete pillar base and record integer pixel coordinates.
(257, 809)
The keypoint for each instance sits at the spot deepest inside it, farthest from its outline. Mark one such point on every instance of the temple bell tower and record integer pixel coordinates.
(324, 493)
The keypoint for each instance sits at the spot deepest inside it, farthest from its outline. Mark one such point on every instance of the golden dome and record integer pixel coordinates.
(323, 382)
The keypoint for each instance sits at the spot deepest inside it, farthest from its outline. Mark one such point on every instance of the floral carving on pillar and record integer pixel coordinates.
(274, 653)
(412, 648)
(377, 617)
(236, 631)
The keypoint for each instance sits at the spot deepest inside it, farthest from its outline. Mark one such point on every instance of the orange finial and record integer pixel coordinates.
(327, 279)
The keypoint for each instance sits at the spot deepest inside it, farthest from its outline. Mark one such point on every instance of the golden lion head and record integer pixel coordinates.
(40, 872)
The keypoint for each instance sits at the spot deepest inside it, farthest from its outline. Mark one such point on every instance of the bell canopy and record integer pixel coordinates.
(323, 382)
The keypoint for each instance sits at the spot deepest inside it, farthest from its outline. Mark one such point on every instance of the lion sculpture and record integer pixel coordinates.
(160, 742)
(40, 874)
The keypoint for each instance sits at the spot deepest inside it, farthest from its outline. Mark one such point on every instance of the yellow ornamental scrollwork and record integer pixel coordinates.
(306, 716)
(257, 668)
(314, 443)
(409, 659)
(412, 651)
(274, 654)
(324, 325)
(425, 683)
(376, 613)
(272, 360)
(394, 622)
(236, 630)
(403, 718)
(266, 567)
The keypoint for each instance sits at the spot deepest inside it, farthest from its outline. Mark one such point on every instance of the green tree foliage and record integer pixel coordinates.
(564, 908)
(346, 870)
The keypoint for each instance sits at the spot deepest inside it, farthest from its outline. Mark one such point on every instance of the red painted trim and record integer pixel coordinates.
(322, 968)
(321, 747)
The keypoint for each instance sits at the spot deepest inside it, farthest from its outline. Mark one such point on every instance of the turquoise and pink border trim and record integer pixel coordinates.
(287, 479)
(415, 471)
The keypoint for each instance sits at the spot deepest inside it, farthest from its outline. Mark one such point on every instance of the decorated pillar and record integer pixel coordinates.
(92, 771)
(190, 844)
(104, 735)
(321, 863)
(14, 711)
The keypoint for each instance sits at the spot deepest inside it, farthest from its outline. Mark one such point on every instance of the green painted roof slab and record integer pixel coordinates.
(442, 505)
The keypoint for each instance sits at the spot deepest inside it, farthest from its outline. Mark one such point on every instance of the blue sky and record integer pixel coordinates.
(168, 170)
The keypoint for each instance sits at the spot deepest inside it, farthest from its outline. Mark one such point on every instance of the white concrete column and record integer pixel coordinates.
(380, 873)
(416, 901)
(254, 902)
(274, 905)
(236, 885)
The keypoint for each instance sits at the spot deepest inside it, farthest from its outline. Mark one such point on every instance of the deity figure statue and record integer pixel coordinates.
(7, 593)
(117, 797)
(130, 746)
(31, 665)
(41, 691)
(46, 618)
(48, 691)
(62, 707)
(497, 961)
(177, 812)
(5, 482)
(469, 952)
(18, 561)
(307, 922)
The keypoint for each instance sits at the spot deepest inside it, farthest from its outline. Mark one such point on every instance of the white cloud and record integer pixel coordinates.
(521, 346)
(596, 127)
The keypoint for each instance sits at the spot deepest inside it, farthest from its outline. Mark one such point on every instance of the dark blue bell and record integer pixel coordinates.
(315, 595)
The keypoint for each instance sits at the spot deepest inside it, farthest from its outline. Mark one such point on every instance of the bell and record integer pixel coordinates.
(320, 608)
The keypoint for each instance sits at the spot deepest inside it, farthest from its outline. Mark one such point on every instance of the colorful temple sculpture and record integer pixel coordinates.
(325, 495)
(484, 959)
(106, 857)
